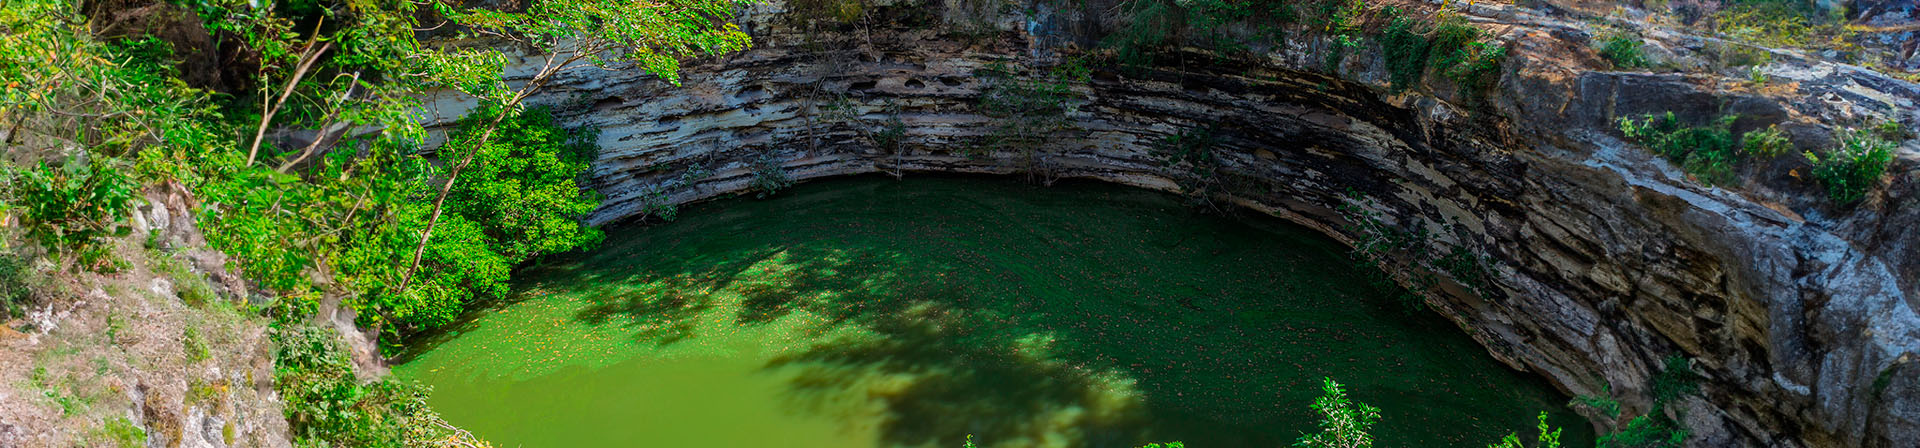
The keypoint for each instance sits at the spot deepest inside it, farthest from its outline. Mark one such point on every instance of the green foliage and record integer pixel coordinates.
(652, 35)
(1676, 380)
(769, 176)
(1338, 16)
(1708, 153)
(526, 186)
(194, 345)
(75, 206)
(1851, 169)
(192, 288)
(1465, 266)
(1768, 143)
(1030, 107)
(1344, 423)
(15, 286)
(1148, 26)
(1603, 402)
(1190, 155)
(1625, 51)
(1647, 431)
(120, 432)
(520, 198)
(326, 406)
(1549, 437)
(1405, 51)
(1771, 23)
(1480, 69)
(1892, 131)
(1337, 52)
(1446, 45)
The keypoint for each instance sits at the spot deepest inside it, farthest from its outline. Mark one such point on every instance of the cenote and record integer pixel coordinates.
(866, 311)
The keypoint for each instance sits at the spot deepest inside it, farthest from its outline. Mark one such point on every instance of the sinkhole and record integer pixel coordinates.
(873, 312)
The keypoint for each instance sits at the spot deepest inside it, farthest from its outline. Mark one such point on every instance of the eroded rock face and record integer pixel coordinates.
(1605, 259)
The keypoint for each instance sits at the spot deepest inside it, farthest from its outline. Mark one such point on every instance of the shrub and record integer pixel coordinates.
(1647, 431)
(1768, 143)
(520, 199)
(75, 207)
(14, 286)
(1708, 153)
(1337, 52)
(769, 177)
(1189, 155)
(1854, 167)
(1603, 402)
(1480, 69)
(1892, 131)
(120, 432)
(1675, 380)
(326, 406)
(1451, 38)
(194, 345)
(1405, 51)
(1625, 51)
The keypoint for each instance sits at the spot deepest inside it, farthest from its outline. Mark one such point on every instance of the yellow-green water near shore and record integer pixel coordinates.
(869, 312)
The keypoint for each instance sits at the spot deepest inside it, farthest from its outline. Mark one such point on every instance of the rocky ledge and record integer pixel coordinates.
(1603, 258)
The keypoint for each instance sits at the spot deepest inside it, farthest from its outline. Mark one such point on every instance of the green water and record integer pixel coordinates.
(872, 312)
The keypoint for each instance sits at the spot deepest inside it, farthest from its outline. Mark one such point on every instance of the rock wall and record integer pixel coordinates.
(1605, 258)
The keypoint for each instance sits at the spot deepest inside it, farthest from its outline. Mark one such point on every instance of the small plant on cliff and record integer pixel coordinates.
(1708, 153)
(769, 176)
(1768, 143)
(1656, 429)
(1850, 170)
(1676, 380)
(1445, 44)
(1893, 131)
(1647, 431)
(1375, 242)
(1405, 51)
(1190, 156)
(120, 432)
(1465, 266)
(1603, 402)
(1625, 51)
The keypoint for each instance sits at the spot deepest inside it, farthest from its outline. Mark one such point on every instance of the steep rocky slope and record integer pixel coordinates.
(1604, 258)
(160, 353)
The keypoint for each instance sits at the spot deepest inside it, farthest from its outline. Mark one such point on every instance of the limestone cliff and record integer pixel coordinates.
(1605, 258)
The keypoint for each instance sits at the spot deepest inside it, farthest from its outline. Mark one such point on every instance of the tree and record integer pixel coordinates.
(651, 35)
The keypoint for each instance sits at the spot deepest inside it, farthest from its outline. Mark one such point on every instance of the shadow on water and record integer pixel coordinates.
(1085, 315)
